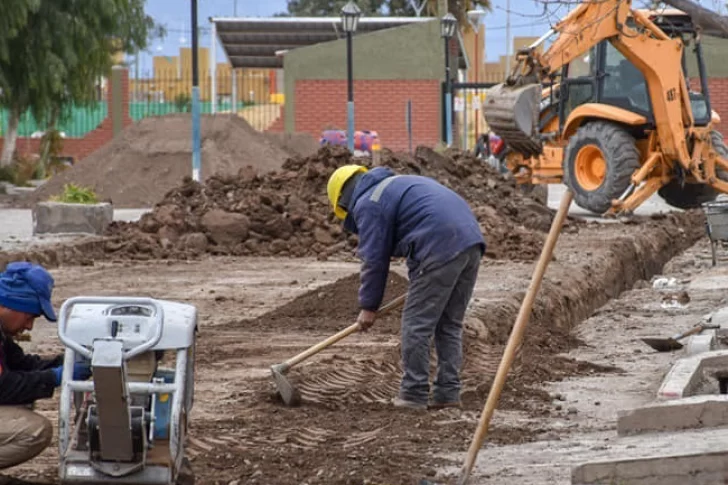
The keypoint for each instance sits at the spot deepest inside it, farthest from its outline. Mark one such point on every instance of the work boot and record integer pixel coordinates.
(445, 405)
(404, 403)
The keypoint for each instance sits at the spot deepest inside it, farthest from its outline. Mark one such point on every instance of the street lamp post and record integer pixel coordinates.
(196, 161)
(350, 20)
(448, 24)
(474, 17)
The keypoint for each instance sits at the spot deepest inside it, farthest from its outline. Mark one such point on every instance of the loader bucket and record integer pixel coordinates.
(512, 113)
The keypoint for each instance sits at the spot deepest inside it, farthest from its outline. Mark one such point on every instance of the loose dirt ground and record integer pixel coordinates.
(346, 432)
(582, 426)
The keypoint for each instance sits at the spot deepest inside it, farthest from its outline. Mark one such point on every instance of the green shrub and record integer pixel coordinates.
(73, 194)
(7, 174)
(183, 102)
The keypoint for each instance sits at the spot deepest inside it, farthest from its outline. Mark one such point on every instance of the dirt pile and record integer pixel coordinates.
(331, 308)
(154, 155)
(297, 144)
(287, 212)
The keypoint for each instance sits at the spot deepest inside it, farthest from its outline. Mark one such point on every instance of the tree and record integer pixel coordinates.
(326, 8)
(393, 8)
(13, 19)
(710, 22)
(60, 53)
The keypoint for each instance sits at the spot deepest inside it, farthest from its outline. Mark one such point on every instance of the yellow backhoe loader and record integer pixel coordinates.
(617, 108)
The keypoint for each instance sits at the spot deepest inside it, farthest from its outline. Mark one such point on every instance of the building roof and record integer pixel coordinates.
(253, 42)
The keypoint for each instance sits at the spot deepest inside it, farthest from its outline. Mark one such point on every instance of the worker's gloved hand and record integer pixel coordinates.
(81, 372)
(366, 319)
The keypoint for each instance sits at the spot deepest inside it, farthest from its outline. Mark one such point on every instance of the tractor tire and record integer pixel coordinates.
(598, 164)
(693, 196)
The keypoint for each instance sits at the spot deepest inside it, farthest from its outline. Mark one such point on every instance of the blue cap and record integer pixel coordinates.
(26, 287)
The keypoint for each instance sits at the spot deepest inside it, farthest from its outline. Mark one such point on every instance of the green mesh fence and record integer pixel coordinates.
(77, 124)
(142, 109)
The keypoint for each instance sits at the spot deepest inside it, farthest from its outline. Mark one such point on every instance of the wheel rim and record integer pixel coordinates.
(590, 167)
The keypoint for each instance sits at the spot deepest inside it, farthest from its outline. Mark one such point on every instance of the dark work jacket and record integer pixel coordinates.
(409, 216)
(24, 378)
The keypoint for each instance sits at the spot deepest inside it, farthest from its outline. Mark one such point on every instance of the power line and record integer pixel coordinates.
(531, 24)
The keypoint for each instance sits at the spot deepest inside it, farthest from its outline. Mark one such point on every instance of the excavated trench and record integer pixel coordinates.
(346, 433)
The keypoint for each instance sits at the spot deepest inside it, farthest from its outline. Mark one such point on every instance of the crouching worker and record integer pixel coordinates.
(25, 294)
(414, 217)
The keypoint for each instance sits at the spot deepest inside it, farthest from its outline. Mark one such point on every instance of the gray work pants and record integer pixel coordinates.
(23, 435)
(436, 304)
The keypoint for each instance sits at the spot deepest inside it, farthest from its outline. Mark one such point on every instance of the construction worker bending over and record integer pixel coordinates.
(25, 294)
(433, 227)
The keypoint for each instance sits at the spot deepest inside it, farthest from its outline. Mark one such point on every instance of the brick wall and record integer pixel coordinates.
(378, 105)
(79, 148)
(718, 88)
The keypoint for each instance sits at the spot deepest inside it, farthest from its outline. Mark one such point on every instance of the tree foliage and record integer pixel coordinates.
(12, 20)
(709, 21)
(373, 8)
(65, 46)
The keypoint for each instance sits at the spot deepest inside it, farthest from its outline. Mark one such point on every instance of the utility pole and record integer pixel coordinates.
(234, 80)
(196, 162)
(508, 37)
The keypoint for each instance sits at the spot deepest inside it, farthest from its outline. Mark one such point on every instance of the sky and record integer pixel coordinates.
(526, 19)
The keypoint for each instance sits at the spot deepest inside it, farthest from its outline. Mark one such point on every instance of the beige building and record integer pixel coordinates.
(495, 72)
(172, 80)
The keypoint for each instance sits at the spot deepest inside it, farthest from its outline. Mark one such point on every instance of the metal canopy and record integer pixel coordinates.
(259, 42)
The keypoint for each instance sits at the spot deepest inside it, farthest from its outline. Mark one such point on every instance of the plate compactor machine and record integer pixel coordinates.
(128, 423)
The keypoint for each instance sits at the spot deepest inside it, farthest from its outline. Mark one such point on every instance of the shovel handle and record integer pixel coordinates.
(340, 335)
(696, 329)
(514, 341)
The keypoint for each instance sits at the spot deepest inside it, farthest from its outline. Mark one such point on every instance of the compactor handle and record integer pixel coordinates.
(110, 300)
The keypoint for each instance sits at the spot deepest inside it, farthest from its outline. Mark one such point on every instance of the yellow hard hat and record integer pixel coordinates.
(336, 184)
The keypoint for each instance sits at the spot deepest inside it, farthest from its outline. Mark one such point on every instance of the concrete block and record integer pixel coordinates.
(690, 374)
(62, 218)
(704, 342)
(695, 457)
(693, 469)
(720, 317)
(696, 412)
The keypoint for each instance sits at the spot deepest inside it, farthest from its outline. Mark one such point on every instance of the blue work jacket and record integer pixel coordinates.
(408, 216)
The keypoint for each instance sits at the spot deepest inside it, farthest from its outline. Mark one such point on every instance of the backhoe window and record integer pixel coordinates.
(697, 97)
(583, 66)
(624, 85)
(579, 87)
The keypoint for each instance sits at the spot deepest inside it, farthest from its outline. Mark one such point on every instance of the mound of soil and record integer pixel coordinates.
(287, 212)
(331, 308)
(153, 156)
(297, 144)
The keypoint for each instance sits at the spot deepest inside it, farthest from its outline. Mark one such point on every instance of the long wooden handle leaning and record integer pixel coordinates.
(514, 341)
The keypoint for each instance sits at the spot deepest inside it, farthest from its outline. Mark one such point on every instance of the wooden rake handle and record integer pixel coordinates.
(340, 335)
(514, 341)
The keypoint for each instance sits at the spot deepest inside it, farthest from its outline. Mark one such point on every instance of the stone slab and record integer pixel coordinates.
(689, 373)
(62, 218)
(698, 457)
(695, 469)
(696, 412)
(704, 342)
(720, 317)
(714, 279)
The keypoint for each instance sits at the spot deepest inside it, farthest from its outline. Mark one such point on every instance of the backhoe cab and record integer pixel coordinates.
(617, 108)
